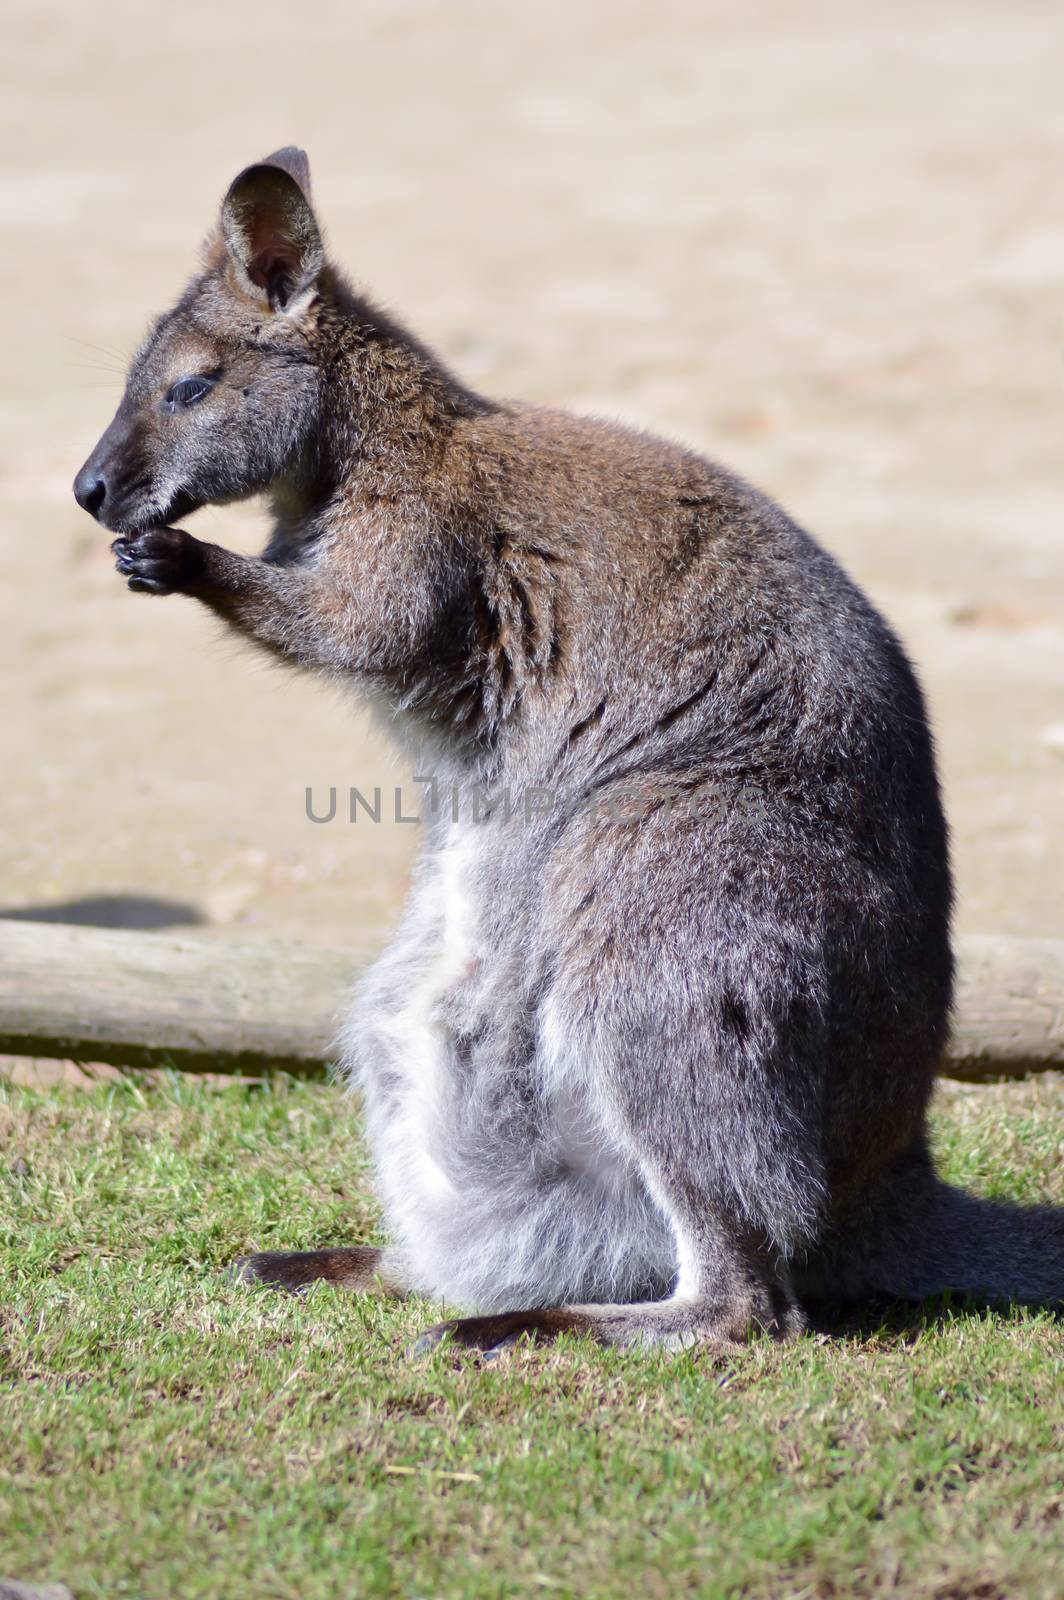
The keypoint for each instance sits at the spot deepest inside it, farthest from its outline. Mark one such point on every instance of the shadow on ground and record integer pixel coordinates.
(896, 1322)
(145, 913)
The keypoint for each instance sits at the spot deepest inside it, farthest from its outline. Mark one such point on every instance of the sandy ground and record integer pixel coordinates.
(825, 243)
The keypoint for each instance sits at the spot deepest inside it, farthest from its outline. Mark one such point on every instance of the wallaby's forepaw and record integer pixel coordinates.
(160, 560)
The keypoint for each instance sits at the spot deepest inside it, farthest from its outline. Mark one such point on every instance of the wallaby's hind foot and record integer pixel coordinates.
(359, 1268)
(666, 1324)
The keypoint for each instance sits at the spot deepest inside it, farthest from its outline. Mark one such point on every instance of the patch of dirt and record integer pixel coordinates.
(825, 244)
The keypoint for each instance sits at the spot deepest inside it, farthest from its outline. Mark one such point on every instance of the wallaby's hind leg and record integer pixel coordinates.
(360, 1268)
(711, 1095)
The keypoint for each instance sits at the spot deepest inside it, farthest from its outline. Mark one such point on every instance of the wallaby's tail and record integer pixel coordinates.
(918, 1237)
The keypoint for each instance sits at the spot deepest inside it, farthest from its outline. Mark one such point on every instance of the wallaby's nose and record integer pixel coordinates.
(90, 491)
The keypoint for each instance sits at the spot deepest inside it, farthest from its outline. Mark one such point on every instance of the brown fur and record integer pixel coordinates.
(359, 1268)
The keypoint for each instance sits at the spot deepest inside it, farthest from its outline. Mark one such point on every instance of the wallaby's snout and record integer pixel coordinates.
(101, 487)
(90, 489)
(137, 476)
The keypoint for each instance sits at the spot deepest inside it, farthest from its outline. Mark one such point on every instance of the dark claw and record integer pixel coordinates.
(428, 1341)
(503, 1347)
(489, 1336)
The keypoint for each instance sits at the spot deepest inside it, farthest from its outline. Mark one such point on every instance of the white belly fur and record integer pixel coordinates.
(415, 1036)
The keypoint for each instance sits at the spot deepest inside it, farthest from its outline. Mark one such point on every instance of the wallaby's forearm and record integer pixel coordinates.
(299, 613)
(285, 609)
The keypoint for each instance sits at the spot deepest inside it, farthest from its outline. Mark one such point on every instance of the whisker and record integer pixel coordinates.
(121, 356)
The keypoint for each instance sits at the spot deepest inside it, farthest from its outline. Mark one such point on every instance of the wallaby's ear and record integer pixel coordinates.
(270, 230)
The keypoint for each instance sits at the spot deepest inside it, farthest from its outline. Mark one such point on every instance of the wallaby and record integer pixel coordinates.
(651, 1061)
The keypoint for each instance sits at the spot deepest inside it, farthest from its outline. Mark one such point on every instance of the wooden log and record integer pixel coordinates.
(204, 1004)
(211, 1003)
(1008, 1017)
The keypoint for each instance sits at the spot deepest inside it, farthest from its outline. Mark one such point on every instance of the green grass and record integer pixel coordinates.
(164, 1433)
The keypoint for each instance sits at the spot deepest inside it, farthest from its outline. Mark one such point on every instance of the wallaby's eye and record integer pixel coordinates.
(186, 391)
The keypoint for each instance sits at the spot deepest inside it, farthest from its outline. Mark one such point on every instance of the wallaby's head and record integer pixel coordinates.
(223, 395)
